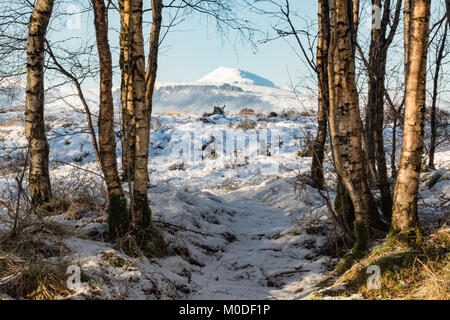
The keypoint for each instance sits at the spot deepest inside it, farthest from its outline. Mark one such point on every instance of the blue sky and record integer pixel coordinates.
(193, 48)
(190, 54)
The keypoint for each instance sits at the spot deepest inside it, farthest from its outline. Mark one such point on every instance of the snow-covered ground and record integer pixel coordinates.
(225, 197)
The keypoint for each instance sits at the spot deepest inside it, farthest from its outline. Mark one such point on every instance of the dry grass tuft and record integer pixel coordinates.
(406, 273)
(35, 279)
(42, 281)
(149, 242)
(9, 265)
(41, 239)
(116, 260)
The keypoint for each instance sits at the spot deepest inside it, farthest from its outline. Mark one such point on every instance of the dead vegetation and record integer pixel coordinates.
(247, 112)
(247, 124)
(33, 256)
(42, 281)
(149, 243)
(422, 272)
(33, 262)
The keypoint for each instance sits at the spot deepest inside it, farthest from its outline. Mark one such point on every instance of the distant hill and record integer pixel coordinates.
(236, 89)
(235, 76)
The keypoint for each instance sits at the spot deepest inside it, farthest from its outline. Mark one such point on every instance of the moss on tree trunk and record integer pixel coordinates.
(362, 239)
(143, 213)
(343, 206)
(119, 218)
(411, 237)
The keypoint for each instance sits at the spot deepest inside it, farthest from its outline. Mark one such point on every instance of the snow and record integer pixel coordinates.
(236, 89)
(236, 76)
(264, 248)
(224, 197)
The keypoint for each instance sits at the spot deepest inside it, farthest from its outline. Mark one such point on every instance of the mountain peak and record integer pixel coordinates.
(236, 76)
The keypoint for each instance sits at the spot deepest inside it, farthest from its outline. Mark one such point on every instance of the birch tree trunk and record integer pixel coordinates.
(437, 70)
(144, 82)
(407, 35)
(39, 178)
(323, 43)
(128, 121)
(406, 38)
(118, 215)
(345, 121)
(404, 214)
(354, 9)
(152, 63)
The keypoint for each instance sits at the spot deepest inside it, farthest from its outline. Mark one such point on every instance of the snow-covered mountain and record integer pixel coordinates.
(236, 89)
(235, 76)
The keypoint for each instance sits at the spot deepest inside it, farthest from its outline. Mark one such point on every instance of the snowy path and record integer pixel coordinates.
(245, 269)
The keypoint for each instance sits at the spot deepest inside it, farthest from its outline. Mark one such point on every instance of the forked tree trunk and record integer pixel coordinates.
(128, 121)
(345, 121)
(143, 93)
(118, 215)
(39, 178)
(323, 43)
(404, 214)
(437, 70)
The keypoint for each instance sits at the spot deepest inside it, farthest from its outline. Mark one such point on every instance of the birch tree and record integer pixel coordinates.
(404, 214)
(144, 82)
(39, 178)
(128, 120)
(118, 215)
(441, 43)
(345, 121)
(323, 43)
